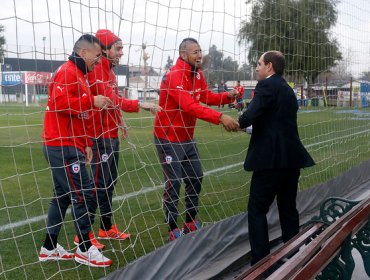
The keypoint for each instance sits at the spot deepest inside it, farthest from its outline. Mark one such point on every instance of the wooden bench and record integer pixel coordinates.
(324, 243)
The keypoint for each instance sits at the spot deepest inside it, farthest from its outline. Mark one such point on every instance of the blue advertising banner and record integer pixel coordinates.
(365, 90)
(11, 78)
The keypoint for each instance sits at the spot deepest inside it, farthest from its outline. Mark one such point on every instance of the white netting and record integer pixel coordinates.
(42, 32)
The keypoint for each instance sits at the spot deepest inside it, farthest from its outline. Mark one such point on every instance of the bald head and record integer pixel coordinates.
(185, 43)
(86, 41)
(191, 52)
(89, 49)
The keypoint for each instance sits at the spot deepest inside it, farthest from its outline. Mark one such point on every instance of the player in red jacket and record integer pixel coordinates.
(67, 148)
(182, 90)
(239, 99)
(105, 130)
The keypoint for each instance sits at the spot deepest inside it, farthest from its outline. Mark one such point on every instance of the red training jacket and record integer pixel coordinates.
(69, 109)
(180, 96)
(240, 90)
(103, 81)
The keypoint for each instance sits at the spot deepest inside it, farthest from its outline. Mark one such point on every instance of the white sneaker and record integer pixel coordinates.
(59, 253)
(93, 257)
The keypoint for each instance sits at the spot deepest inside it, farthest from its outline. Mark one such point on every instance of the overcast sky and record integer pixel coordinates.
(161, 24)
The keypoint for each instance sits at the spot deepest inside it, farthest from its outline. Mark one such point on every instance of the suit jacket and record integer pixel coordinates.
(275, 141)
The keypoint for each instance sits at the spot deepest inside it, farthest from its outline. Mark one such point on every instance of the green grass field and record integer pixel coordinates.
(336, 140)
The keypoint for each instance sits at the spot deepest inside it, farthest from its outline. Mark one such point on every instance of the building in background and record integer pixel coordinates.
(26, 80)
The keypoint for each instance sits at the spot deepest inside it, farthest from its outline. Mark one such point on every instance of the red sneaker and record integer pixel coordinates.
(113, 233)
(192, 226)
(174, 234)
(93, 241)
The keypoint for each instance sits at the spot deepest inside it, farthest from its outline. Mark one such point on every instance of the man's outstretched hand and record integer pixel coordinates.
(233, 93)
(152, 107)
(229, 123)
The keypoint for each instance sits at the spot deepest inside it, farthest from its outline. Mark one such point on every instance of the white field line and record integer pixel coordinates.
(145, 190)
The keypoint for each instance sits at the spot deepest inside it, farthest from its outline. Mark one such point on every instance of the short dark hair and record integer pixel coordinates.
(277, 59)
(84, 40)
(185, 42)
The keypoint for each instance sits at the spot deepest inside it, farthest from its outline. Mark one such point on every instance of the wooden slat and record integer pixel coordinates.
(318, 263)
(291, 246)
(310, 261)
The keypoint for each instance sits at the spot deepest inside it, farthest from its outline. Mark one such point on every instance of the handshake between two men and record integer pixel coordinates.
(229, 123)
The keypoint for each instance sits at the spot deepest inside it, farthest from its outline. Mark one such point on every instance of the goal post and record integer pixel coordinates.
(39, 37)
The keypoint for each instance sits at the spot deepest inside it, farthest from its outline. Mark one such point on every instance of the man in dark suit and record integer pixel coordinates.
(275, 153)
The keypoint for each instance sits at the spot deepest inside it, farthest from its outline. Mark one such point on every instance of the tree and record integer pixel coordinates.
(245, 72)
(169, 63)
(339, 74)
(298, 28)
(365, 76)
(2, 42)
(230, 69)
(216, 68)
(211, 65)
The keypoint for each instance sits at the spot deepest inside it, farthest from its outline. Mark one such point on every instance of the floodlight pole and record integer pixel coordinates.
(145, 59)
(44, 39)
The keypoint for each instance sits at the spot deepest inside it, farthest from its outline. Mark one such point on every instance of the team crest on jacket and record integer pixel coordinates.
(104, 157)
(168, 159)
(83, 115)
(198, 75)
(76, 168)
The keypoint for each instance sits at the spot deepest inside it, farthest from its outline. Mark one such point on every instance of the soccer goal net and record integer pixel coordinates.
(327, 49)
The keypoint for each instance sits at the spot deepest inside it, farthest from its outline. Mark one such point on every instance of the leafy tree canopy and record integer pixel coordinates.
(365, 76)
(2, 41)
(217, 68)
(298, 28)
